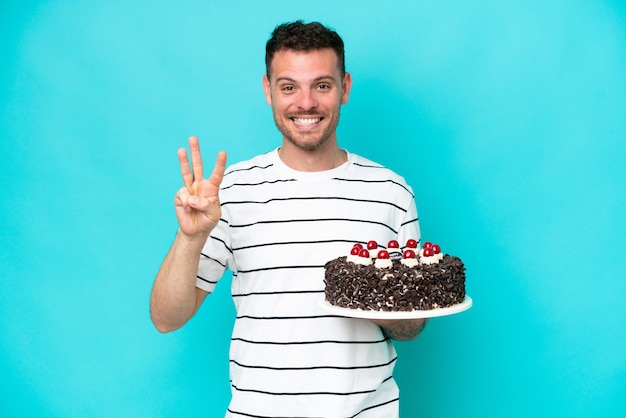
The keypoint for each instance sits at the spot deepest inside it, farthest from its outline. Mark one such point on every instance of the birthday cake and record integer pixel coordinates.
(394, 278)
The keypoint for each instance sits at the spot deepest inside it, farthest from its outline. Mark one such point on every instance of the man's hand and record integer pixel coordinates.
(401, 329)
(197, 202)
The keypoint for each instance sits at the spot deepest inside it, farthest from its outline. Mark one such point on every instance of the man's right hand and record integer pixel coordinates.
(197, 202)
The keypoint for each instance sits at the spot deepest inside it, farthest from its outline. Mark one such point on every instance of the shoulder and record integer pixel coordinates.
(251, 168)
(261, 161)
(367, 169)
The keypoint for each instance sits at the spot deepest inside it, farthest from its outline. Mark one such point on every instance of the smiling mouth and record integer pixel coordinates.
(306, 121)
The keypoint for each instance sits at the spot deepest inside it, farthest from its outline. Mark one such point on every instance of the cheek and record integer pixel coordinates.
(281, 105)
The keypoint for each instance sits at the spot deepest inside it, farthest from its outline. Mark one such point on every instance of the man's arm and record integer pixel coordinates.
(175, 298)
(402, 329)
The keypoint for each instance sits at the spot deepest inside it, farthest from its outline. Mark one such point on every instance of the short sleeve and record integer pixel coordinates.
(216, 256)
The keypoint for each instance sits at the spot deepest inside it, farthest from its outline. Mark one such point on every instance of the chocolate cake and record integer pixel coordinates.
(395, 280)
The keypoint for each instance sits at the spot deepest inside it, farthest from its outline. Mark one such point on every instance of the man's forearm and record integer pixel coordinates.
(174, 298)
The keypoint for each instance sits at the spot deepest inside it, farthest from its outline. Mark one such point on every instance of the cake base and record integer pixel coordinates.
(396, 315)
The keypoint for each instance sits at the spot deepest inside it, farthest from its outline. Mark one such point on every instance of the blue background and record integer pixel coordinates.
(507, 118)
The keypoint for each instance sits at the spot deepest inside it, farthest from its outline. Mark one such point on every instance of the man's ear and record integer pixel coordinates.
(345, 88)
(267, 90)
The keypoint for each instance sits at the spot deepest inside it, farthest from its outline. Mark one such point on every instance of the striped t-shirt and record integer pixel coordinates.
(288, 356)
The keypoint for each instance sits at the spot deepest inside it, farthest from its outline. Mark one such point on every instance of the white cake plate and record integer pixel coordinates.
(417, 314)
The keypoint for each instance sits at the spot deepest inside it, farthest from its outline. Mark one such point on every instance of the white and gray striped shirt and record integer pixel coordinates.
(288, 356)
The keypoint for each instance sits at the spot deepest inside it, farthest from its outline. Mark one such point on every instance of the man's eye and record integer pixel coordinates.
(287, 88)
(323, 87)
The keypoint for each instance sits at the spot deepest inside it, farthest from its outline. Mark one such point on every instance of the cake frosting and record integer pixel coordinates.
(394, 279)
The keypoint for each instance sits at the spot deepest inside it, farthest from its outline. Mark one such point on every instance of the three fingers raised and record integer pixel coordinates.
(195, 172)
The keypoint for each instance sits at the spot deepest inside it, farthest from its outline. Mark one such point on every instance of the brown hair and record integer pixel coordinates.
(302, 36)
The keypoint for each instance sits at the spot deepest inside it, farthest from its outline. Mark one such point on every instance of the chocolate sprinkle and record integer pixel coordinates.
(398, 288)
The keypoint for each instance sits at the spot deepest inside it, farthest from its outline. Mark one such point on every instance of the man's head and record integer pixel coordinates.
(299, 36)
(306, 85)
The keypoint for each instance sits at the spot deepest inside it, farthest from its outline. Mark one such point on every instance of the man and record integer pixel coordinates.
(274, 221)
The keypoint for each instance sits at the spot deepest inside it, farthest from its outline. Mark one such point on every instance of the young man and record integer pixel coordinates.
(274, 221)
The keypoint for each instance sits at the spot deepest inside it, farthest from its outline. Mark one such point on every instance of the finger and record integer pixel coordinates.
(181, 199)
(196, 159)
(184, 168)
(218, 171)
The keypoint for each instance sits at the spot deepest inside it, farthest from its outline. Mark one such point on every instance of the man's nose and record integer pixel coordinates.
(306, 100)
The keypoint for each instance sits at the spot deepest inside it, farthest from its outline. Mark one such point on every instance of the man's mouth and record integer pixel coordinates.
(306, 121)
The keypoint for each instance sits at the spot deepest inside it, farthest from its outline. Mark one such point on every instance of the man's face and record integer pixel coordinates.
(306, 91)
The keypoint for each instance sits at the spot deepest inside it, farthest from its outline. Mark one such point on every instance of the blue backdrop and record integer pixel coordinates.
(506, 117)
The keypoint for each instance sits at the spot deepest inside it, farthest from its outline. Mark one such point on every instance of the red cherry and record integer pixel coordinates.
(393, 244)
(364, 253)
(357, 245)
(411, 243)
(355, 251)
(428, 252)
(436, 249)
(427, 245)
(383, 254)
(409, 254)
(372, 245)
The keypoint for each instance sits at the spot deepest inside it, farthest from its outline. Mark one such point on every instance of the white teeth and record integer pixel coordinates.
(307, 121)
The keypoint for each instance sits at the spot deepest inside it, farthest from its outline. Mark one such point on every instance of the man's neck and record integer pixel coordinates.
(311, 161)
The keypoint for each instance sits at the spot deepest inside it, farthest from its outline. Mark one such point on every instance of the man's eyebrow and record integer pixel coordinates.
(287, 79)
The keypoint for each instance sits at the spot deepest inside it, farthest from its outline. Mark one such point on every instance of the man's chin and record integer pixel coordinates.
(306, 144)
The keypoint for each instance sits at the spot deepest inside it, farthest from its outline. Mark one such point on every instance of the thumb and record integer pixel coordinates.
(201, 203)
(195, 202)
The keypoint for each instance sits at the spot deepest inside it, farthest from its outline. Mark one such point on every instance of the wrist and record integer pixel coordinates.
(192, 240)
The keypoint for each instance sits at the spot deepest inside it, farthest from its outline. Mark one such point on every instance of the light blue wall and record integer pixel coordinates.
(506, 117)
